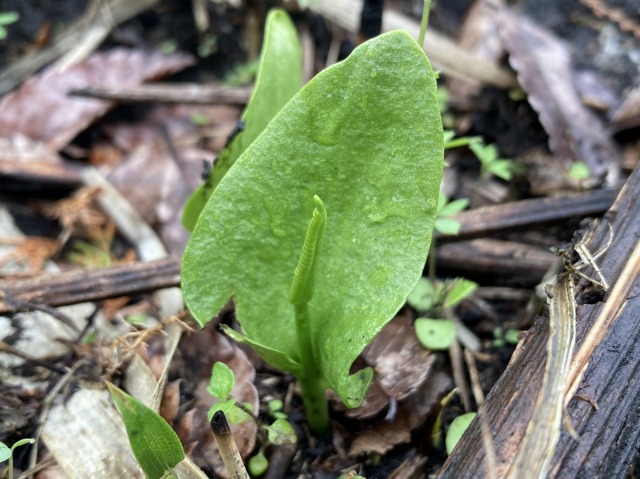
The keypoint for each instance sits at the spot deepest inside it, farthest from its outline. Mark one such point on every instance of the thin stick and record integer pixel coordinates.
(484, 424)
(227, 446)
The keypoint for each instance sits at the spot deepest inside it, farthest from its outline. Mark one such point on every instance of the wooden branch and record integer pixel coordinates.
(604, 370)
(78, 286)
(169, 93)
(445, 54)
(120, 11)
(524, 263)
(489, 219)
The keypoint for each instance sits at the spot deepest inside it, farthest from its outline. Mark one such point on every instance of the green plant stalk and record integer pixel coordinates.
(312, 387)
(424, 22)
(301, 292)
(432, 260)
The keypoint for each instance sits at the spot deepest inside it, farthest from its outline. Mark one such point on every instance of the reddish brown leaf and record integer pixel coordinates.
(41, 109)
(155, 179)
(401, 366)
(198, 354)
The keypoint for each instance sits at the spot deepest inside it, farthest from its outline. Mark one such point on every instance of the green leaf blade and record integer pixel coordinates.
(222, 381)
(279, 78)
(155, 445)
(380, 197)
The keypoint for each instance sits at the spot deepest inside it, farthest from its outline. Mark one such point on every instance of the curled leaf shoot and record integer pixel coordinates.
(304, 278)
(300, 294)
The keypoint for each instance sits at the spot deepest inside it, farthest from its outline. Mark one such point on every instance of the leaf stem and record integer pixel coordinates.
(301, 292)
(424, 22)
(312, 388)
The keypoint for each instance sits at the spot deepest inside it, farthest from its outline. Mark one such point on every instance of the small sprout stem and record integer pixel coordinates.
(424, 22)
(227, 446)
(301, 292)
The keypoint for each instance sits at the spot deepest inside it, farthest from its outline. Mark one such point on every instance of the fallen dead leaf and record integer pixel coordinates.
(198, 354)
(401, 366)
(544, 67)
(41, 109)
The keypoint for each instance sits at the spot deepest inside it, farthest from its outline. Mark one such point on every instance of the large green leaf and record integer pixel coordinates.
(154, 444)
(365, 136)
(279, 78)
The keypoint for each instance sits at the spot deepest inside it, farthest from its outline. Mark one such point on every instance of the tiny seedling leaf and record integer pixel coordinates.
(365, 135)
(233, 413)
(456, 429)
(501, 168)
(281, 432)
(7, 18)
(459, 290)
(448, 226)
(222, 381)
(155, 445)
(423, 295)
(579, 171)
(258, 464)
(450, 208)
(5, 452)
(435, 334)
(279, 78)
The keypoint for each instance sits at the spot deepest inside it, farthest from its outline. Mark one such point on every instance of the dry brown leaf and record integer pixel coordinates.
(41, 109)
(198, 354)
(152, 178)
(382, 437)
(543, 64)
(401, 366)
(32, 251)
(478, 35)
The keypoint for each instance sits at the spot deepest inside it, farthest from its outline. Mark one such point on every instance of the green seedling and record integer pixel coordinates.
(242, 74)
(436, 430)
(502, 337)
(278, 433)
(490, 162)
(446, 209)
(359, 150)
(279, 78)
(207, 45)
(258, 464)
(579, 171)
(7, 18)
(155, 445)
(433, 333)
(275, 409)
(90, 255)
(6, 452)
(456, 429)
(220, 386)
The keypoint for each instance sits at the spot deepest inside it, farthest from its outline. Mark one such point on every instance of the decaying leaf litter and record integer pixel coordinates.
(395, 434)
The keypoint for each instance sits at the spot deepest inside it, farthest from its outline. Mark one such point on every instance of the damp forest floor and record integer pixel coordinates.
(88, 283)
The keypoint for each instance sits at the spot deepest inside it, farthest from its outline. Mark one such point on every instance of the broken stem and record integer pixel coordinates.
(227, 446)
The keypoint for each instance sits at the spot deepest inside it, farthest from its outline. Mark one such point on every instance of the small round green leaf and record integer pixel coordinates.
(579, 171)
(435, 334)
(422, 297)
(5, 452)
(258, 464)
(448, 226)
(222, 381)
(457, 429)
(281, 432)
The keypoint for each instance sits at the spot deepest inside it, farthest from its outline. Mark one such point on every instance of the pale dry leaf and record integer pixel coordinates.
(544, 67)
(42, 110)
